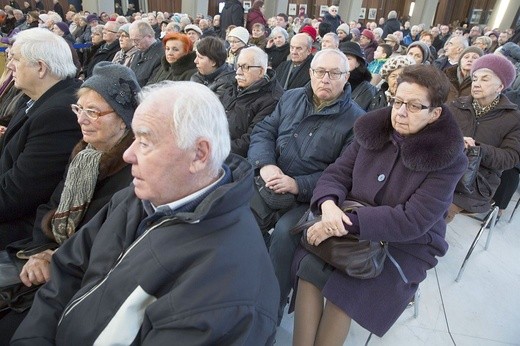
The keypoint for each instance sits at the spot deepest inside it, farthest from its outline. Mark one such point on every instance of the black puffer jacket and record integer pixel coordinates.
(216, 81)
(277, 55)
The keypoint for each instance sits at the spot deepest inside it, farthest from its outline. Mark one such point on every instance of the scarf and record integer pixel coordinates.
(481, 110)
(77, 192)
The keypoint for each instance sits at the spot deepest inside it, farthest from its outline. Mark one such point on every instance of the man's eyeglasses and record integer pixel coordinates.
(91, 113)
(106, 30)
(136, 40)
(333, 75)
(245, 67)
(412, 107)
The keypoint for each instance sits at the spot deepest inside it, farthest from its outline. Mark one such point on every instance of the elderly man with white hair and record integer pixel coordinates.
(39, 139)
(307, 131)
(176, 257)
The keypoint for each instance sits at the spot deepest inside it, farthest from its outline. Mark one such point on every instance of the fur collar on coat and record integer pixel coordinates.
(434, 148)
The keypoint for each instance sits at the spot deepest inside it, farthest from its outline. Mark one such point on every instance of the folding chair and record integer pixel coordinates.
(490, 220)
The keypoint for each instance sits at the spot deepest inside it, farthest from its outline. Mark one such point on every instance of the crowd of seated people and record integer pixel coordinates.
(153, 165)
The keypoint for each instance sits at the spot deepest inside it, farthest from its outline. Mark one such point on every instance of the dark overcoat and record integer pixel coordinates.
(410, 182)
(35, 150)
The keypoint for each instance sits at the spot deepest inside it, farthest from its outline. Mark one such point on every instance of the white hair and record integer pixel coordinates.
(40, 44)
(344, 61)
(279, 30)
(56, 18)
(334, 37)
(201, 115)
(260, 57)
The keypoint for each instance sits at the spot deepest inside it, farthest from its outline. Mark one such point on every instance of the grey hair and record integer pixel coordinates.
(260, 56)
(392, 14)
(344, 66)
(308, 39)
(201, 115)
(279, 30)
(143, 27)
(335, 37)
(40, 44)
(98, 29)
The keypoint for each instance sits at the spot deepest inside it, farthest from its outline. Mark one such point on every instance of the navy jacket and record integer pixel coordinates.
(301, 141)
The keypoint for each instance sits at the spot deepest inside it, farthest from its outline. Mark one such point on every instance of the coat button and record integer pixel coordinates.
(381, 177)
(295, 135)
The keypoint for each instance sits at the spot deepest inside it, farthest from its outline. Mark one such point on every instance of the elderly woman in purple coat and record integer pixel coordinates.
(405, 162)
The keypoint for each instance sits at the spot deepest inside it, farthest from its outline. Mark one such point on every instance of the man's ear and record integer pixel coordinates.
(201, 155)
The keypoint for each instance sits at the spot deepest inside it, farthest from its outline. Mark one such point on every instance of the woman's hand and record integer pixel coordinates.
(37, 269)
(270, 43)
(281, 183)
(2, 130)
(331, 224)
(469, 142)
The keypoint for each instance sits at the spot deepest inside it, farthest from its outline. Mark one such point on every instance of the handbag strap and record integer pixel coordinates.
(397, 266)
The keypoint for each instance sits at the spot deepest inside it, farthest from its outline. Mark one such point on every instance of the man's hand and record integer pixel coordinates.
(37, 269)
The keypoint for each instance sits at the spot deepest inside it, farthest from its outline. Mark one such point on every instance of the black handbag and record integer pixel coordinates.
(361, 259)
(13, 293)
(467, 182)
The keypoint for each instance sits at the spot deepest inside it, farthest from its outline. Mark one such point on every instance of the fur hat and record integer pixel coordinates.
(309, 30)
(424, 49)
(63, 27)
(118, 86)
(241, 33)
(352, 48)
(501, 67)
(192, 27)
(344, 27)
(471, 49)
(511, 51)
(395, 63)
(368, 34)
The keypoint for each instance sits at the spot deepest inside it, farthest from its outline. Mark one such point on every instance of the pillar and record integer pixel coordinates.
(349, 9)
(195, 6)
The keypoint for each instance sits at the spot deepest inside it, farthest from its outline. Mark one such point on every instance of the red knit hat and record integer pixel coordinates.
(368, 34)
(309, 30)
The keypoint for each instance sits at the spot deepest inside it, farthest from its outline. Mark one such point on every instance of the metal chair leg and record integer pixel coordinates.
(490, 218)
(514, 210)
(416, 301)
(494, 215)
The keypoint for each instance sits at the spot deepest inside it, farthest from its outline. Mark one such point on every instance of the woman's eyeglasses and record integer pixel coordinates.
(90, 113)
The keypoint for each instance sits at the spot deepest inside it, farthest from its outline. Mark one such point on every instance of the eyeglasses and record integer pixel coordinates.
(412, 107)
(136, 40)
(234, 41)
(91, 113)
(245, 67)
(106, 30)
(333, 75)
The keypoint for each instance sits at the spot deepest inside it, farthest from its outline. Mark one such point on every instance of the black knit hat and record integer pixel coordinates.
(118, 85)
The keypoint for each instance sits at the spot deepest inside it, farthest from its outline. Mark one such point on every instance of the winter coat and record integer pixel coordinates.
(458, 89)
(301, 141)
(299, 76)
(181, 70)
(368, 97)
(201, 277)
(125, 58)
(33, 155)
(409, 183)
(498, 135)
(232, 14)
(216, 81)
(334, 21)
(369, 50)
(145, 63)
(105, 53)
(253, 17)
(391, 25)
(114, 175)
(442, 63)
(260, 42)
(246, 107)
(277, 55)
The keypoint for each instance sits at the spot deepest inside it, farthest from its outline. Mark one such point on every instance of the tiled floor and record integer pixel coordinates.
(482, 309)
